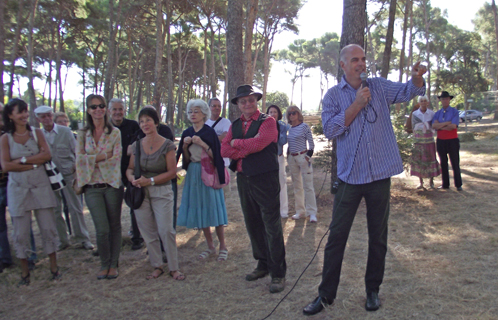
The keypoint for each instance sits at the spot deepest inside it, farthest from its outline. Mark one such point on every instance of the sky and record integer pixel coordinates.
(315, 19)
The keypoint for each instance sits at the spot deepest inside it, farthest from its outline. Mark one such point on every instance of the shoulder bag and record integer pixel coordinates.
(209, 173)
(135, 196)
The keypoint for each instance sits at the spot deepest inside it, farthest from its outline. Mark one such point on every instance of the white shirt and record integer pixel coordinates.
(50, 135)
(221, 127)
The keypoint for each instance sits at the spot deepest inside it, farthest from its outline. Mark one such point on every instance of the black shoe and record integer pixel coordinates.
(137, 245)
(277, 285)
(95, 253)
(316, 306)
(373, 302)
(256, 274)
(459, 189)
(31, 265)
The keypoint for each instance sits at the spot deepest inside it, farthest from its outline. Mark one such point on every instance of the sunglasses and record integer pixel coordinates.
(95, 106)
(292, 113)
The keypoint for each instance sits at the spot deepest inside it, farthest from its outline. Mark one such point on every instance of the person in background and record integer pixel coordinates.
(275, 112)
(446, 121)
(424, 162)
(252, 144)
(202, 207)
(300, 164)
(28, 187)
(62, 145)
(129, 130)
(155, 215)
(5, 255)
(98, 169)
(221, 126)
(61, 119)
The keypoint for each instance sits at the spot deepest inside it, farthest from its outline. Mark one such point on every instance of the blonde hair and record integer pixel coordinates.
(299, 114)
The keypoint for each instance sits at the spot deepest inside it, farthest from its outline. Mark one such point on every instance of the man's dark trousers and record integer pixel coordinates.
(449, 147)
(260, 201)
(346, 203)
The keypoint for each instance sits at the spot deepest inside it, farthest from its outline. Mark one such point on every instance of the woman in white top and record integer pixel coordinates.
(299, 159)
(424, 163)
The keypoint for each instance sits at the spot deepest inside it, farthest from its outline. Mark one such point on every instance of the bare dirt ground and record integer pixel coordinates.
(441, 262)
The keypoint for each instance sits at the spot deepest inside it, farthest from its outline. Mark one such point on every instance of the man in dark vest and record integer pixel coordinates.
(251, 143)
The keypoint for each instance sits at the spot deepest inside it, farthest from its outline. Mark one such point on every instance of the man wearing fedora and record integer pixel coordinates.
(251, 143)
(62, 145)
(446, 122)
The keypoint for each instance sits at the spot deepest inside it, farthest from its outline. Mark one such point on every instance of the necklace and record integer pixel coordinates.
(152, 143)
(21, 135)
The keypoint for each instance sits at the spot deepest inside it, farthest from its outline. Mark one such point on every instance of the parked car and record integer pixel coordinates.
(470, 115)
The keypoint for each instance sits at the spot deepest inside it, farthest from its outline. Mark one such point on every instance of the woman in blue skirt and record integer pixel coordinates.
(202, 207)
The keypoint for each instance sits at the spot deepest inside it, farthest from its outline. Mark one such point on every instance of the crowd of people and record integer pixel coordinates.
(112, 153)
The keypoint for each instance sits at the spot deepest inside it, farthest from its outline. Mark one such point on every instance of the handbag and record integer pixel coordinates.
(56, 179)
(135, 196)
(209, 173)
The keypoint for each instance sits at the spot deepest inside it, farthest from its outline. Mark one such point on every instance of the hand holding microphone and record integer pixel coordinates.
(363, 94)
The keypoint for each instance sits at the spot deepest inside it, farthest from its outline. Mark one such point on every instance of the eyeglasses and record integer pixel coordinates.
(245, 101)
(194, 111)
(95, 106)
(292, 113)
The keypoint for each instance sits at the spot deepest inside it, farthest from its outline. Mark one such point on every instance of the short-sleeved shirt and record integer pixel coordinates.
(444, 115)
(154, 164)
(221, 127)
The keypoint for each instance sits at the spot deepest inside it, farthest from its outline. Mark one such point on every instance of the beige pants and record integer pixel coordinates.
(46, 223)
(302, 181)
(155, 220)
(282, 177)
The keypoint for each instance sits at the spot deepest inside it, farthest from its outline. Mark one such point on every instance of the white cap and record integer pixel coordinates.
(43, 109)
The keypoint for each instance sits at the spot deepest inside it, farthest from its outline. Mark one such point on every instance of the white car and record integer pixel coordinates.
(470, 115)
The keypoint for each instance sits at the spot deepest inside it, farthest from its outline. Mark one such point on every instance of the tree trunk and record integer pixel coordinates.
(58, 63)
(386, 59)
(29, 64)
(495, 14)
(110, 71)
(2, 48)
(156, 96)
(13, 53)
(235, 54)
(251, 15)
(214, 82)
(354, 21)
(171, 103)
(410, 45)
(427, 48)
(403, 41)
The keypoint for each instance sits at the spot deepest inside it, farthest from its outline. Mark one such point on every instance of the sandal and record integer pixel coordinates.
(24, 281)
(206, 254)
(179, 276)
(152, 276)
(56, 275)
(223, 256)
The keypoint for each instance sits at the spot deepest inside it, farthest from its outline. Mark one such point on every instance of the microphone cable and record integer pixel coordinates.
(328, 229)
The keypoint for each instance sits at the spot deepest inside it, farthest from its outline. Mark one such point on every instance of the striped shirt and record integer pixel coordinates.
(366, 150)
(297, 138)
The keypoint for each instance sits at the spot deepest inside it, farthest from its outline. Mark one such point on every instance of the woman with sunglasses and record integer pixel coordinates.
(202, 207)
(98, 170)
(276, 113)
(28, 187)
(299, 159)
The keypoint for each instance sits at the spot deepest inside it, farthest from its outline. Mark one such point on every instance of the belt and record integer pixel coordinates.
(98, 186)
(298, 153)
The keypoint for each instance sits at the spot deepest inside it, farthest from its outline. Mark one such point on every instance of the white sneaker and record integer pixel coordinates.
(87, 245)
(284, 216)
(297, 216)
(313, 218)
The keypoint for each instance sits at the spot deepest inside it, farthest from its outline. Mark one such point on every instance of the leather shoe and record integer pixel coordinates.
(256, 274)
(460, 189)
(316, 306)
(277, 285)
(373, 302)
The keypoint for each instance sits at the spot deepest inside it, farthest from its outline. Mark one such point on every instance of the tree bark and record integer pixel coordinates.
(235, 54)
(251, 15)
(403, 41)
(495, 15)
(13, 53)
(354, 21)
(171, 103)
(29, 64)
(2, 48)
(386, 59)
(156, 96)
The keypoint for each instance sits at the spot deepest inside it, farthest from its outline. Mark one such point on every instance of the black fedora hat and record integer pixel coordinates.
(244, 91)
(445, 94)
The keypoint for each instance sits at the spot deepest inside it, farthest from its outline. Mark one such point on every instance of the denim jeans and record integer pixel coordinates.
(105, 208)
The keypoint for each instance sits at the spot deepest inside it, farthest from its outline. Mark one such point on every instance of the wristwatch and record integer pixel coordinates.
(35, 166)
(23, 160)
(152, 181)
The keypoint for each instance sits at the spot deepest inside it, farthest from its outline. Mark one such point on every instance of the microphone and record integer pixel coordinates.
(364, 78)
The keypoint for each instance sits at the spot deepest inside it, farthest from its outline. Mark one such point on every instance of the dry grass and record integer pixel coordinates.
(441, 262)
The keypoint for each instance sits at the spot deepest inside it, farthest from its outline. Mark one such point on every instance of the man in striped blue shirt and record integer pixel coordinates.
(357, 114)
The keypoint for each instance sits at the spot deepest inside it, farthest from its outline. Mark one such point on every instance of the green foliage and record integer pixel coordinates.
(317, 128)
(277, 98)
(404, 140)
